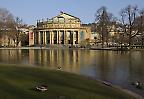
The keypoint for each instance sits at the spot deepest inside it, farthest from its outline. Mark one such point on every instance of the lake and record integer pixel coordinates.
(116, 67)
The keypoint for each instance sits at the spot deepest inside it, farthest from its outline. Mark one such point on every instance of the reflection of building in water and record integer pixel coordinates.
(62, 29)
(31, 56)
(11, 56)
(67, 59)
(72, 63)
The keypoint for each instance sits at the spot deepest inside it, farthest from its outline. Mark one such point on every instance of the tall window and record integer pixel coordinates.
(41, 37)
(36, 38)
(62, 37)
(48, 37)
(76, 42)
(55, 37)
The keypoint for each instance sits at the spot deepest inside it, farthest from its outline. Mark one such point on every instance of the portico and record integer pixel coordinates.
(45, 37)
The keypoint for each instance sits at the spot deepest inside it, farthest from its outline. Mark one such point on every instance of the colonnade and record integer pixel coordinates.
(57, 37)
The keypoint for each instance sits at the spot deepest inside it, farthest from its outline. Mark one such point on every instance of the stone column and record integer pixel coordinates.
(43, 37)
(46, 39)
(39, 38)
(65, 38)
(52, 37)
(57, 37)
(73, 36)
(78, 33)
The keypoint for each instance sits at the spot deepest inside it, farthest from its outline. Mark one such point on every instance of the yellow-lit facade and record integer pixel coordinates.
(63, 29)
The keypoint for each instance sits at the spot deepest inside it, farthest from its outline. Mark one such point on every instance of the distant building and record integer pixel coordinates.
(6, 41)
(62, 29)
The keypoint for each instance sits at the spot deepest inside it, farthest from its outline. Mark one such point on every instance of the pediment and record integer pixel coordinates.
(65, 16)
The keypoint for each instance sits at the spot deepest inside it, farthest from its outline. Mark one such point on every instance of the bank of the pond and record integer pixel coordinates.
(92, 48)
(19, 82)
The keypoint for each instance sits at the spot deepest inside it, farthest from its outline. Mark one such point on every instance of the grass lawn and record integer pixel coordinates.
(19, 83)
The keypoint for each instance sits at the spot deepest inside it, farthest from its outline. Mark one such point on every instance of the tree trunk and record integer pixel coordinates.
(130, 36)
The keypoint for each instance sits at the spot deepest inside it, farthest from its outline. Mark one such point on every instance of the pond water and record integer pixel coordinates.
(119, 68)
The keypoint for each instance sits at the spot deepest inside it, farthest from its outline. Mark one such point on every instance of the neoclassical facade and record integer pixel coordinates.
(62, 29)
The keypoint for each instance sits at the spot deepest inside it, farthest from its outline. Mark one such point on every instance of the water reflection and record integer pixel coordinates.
(117, 67)
(67, 59)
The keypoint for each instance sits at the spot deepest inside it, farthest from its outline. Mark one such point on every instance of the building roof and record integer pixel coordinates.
(62, 15)
(65, 16)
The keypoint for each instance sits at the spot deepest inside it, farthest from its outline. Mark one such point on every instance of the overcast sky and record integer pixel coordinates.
(32, 10)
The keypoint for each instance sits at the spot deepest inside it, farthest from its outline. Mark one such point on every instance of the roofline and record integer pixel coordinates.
(69, 15)
(38, 21)
(66, 14)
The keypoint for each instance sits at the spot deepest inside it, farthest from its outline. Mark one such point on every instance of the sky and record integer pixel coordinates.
(32, 10)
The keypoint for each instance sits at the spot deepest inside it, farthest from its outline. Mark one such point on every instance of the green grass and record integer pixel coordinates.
(19, 83)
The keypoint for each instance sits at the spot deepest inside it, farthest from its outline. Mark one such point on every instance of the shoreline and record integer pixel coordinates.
(108, 84)
(134, 94)
(105, 49)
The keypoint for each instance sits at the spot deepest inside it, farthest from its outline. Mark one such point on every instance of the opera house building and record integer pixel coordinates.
(62, 29)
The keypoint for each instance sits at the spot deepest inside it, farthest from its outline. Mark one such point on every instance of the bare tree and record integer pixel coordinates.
(103, 24)
(11, 27)
(140, 26)
(128, 19)
(17, 34)
(6, 19)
